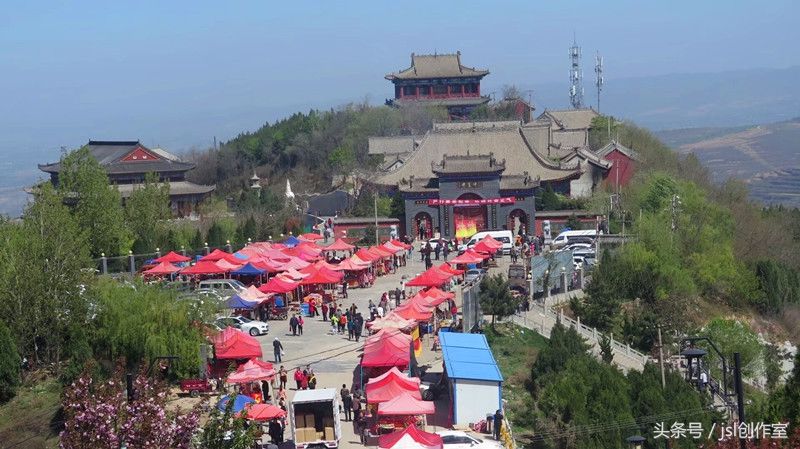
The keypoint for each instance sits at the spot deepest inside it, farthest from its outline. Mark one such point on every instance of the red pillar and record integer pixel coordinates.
(416, 92)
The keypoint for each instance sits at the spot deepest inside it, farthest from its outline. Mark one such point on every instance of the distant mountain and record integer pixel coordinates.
(767, 157)
(724, 99)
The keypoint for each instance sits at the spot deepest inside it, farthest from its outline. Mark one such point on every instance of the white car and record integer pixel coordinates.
(455, 439)
(252, 327)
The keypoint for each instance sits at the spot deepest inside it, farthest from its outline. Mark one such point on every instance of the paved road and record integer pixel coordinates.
(333, 358)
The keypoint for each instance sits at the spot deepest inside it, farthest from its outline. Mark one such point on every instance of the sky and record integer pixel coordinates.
(177, 74)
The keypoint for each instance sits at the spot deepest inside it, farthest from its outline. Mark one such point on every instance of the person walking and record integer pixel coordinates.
(283, 376)
(312, 380)
(347, 402)
(342, 323)
(445, 248)
(304, 381)
(277, 350)
(300, 323)
(358, 324)
(298, 377)
(334, 323)
(344, 289)
(438, 249)
(324, 311)
(275, 431)
(356, 408)
(293, 325)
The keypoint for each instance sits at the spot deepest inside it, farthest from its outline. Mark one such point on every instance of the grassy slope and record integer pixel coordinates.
(25, 421)
(515, 349)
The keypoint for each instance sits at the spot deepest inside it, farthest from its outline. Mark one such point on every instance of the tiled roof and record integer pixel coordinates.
(614, 145)
(175, 188)
(571, 118)
(391, 144)
(518, 182)
(110, 153)
(484, 163)
(592, 158)
(502, 139)
(436, 66)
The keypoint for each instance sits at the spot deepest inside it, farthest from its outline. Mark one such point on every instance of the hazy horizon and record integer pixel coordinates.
(178, 74)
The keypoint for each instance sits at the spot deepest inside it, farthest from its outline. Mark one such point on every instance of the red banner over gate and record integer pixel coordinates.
(438, 202)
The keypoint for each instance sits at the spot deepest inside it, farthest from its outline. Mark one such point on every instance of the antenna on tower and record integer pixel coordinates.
(575, 76)
(598, 70)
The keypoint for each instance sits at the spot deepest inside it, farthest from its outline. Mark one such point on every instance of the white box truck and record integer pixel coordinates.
(314, 417)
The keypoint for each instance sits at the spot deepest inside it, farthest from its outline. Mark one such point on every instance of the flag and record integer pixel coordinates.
(416, 342)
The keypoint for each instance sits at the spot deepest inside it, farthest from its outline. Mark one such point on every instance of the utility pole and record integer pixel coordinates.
(737, 366)
(375, 198)
(661, 359)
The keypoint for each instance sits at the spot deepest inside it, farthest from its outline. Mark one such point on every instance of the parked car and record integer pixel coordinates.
(247, 325)
(456, 439)
(474, 274)
(227, 287)
(578, 246)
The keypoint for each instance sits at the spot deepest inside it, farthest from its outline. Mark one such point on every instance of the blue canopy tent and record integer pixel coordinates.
(291, 242)
(249, 269)
(239, 402)
(237, 302)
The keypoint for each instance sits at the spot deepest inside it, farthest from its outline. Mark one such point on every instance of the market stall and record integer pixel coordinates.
(410, 438)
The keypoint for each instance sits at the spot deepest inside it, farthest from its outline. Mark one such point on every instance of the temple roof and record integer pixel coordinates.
(570, 119)
(129, 156)
(436, 66)
(482, 163)
(175, 188)
(504, 140)
(614, 145)
(391, 144)
(592, 158)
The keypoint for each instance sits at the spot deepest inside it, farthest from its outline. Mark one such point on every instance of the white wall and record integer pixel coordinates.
(474, 399)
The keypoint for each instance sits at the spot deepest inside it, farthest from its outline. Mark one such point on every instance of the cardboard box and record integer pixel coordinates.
(310, 434)
(327, 421)
(310, 421)
(329, 434)
(299, 421)
(320, 435)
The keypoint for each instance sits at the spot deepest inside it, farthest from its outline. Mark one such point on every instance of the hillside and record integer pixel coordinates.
(766, 157)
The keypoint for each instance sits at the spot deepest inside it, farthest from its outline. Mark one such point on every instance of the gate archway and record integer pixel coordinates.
(518, 222)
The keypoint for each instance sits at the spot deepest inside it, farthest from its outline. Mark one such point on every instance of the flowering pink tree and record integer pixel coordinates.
(99, 415)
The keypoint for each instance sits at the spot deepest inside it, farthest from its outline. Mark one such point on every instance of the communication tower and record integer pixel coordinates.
(598, 70)
(575, 76)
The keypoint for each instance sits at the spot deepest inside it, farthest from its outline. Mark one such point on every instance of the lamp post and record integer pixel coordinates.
(635, 441)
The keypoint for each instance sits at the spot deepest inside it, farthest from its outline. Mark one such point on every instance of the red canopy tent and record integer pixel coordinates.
(350, 265)
(310, 236)
(437, 293)
(386, 352)
(219, 254)
(368, 256)
(323, 276)
(339, 245)
(406, 404)
(264, 412)
(204, 267)
(381, 251)
(279, 284)
(391, 321)
(469, 257)
(233, 344)
(445, 267)
(162, 269)
(396, 242)
(414, 311)
(173, 257)
(390, 384)
(410, 438)
(266, 264)
(252, 371)
(426, 301)
(431, 277)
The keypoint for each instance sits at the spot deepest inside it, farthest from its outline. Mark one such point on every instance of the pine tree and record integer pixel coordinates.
(9, 364)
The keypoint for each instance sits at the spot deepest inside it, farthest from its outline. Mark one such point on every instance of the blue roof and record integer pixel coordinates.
(291, 242)
(468, 356)
(249, 270)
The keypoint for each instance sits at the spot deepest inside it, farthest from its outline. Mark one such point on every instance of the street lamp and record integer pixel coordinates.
(635, 441)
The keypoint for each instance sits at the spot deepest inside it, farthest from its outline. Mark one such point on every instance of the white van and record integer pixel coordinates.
(226, 287)
(566, 237)
(505, 237)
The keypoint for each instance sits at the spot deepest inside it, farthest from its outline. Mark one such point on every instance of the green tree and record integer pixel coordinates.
(734, 336)
(606, 351)
(145, 209)
(564, 344)
(369, 235)
(495, 297)
(197, 241)
(227, 430)
(216, 236)
(246, 230)
(9, 364)
(41, 277)
(140, 322)
(97, 205)
(550, 200)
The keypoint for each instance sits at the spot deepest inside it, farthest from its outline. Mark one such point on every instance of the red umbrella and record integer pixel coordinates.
(264, 412)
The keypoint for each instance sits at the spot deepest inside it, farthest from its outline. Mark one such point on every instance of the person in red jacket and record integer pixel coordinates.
(298, 378)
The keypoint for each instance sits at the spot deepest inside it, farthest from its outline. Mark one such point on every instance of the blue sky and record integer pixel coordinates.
(178, 73)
